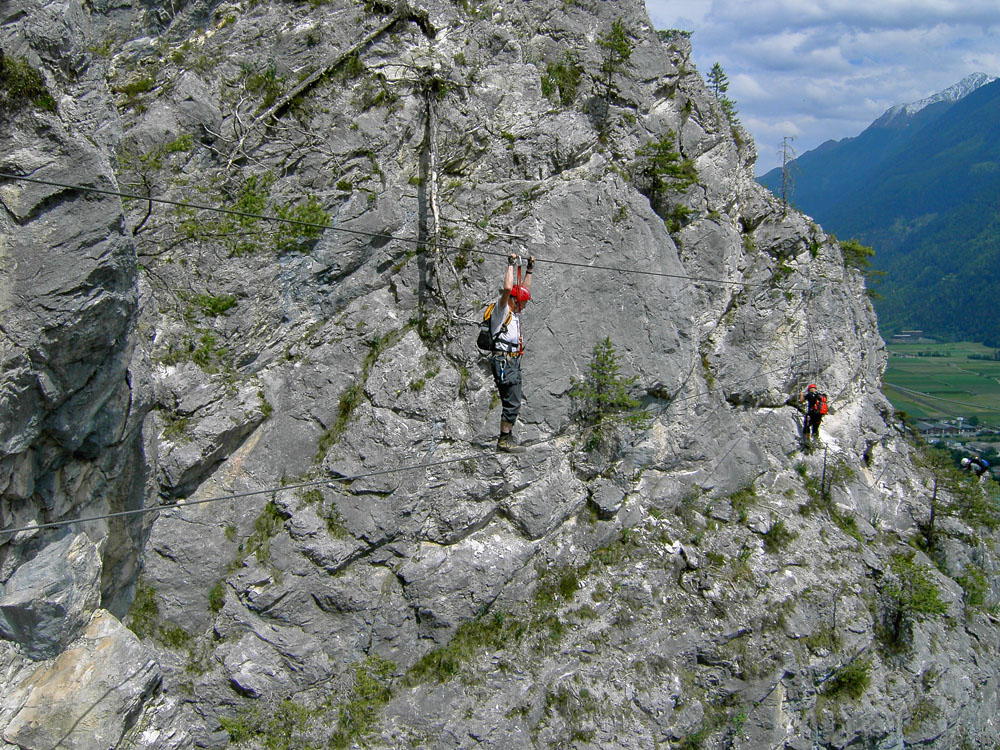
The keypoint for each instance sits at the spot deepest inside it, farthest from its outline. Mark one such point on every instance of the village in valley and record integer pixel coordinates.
(950, 392)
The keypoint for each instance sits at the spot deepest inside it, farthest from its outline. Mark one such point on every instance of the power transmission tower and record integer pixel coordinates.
(787, 155)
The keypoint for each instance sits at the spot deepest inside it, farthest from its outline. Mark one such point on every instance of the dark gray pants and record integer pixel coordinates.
(507, 376)
(811, 423)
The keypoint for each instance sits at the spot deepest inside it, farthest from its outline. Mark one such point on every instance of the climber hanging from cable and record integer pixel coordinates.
(507, 345)
(815, 410)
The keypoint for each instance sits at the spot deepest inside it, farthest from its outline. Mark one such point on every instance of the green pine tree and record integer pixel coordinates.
(718, 84)
(617, 51)
(859, 256)
(909, 595)
(729, 108)
(660, 174)
(602, 398)
(718, 81)
(659, 168)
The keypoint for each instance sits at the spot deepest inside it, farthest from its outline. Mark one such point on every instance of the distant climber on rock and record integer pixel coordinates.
(507, 346)
(815, 409)
(975, 465)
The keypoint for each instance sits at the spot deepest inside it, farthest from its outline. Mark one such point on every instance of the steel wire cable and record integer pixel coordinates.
(381, 235)
(374, 235)
(333, 479)
(236, 495)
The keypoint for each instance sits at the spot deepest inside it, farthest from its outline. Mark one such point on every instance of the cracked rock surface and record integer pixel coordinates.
(345, 561)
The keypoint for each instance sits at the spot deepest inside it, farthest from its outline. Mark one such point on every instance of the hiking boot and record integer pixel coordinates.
(506, 444)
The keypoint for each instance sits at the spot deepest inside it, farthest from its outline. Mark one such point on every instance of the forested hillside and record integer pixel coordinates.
(925, 198)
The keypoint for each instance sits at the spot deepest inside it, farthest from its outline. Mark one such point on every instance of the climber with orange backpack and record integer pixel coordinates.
(815, 410)
(501, 335)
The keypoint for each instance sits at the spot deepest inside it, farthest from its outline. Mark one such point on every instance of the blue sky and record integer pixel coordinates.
(825, 69)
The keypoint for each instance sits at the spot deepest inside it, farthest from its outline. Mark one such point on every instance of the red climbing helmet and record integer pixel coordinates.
(812, 387)
(519, 293)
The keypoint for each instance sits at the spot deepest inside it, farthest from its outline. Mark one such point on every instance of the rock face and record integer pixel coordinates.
(346, 559)
(48, 600)
(87, 696)
(70, 441)
(73, 396)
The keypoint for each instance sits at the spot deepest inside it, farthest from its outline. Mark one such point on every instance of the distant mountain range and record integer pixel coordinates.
(922, 186)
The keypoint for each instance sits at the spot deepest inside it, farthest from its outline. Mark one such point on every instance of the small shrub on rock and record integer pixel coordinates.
(777, 537)
(908, 596)
(852, 680)
(21, 86)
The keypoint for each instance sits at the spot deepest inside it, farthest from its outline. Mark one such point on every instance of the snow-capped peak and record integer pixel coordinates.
(951, 94)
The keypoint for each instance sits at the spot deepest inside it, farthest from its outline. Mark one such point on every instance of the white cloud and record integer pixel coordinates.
(987, 61)
(745, 85)
(685, 12)
(822, 69)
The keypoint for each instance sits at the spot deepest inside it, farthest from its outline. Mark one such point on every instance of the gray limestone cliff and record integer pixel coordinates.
(74, 392)
(345, 561)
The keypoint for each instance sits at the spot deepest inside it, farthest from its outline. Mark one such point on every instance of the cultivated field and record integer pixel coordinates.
(949, 385)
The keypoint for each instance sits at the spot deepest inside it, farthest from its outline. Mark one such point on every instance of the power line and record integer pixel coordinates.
(377, 235)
